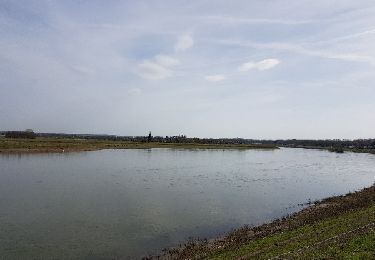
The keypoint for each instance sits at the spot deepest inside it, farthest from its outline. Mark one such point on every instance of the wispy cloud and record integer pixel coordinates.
(134, 92)
(160, 67)
(261, 65)
(214, 78)
(154, 71)
(184, 42)
(350, 36)
(232, 21)
(165, 60)
(83, 69)
(157, 68)
(300, 49)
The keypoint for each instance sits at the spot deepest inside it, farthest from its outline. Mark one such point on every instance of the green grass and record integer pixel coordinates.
(359, 247)
(306, 242)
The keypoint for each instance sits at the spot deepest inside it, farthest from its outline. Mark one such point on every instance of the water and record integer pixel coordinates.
(128, 203)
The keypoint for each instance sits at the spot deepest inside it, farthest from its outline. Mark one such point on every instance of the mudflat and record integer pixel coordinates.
(59, 145)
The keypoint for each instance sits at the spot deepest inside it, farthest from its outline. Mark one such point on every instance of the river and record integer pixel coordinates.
(129, 203)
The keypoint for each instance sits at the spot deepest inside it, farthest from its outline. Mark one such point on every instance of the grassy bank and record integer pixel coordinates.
(335, 228)
(354, 150)
(46, 145)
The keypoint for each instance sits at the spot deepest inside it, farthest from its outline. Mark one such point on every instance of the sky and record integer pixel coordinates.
(252, 69)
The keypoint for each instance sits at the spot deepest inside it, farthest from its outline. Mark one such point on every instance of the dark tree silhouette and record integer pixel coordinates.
(20, 134)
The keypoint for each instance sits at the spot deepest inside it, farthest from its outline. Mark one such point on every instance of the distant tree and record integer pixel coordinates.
(149, 138)
(20, 134)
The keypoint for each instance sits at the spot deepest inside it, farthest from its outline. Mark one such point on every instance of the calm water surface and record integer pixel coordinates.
(127, 203)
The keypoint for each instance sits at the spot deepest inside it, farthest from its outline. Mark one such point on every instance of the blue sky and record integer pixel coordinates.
(252, 69)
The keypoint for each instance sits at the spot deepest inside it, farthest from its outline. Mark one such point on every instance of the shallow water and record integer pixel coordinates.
(128, 203)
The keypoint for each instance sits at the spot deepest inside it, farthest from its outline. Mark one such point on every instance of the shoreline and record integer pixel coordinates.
(332, 149)
(67, 145)
(56, 145)
(294, 235)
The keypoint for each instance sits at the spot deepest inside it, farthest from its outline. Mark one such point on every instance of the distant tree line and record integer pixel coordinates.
(330, 143)
(20, 134)
(324, 143)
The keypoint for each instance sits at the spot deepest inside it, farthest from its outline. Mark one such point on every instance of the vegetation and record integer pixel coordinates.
(335, 228)
(348, 235)
(335, 145)
(20, 134)
(69, 145)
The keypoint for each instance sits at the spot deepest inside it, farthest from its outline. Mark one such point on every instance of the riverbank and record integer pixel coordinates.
(59, 145)
(335, 149)
(336, 227)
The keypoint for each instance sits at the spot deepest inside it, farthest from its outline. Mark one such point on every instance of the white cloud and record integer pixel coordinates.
(152, 70)
(166, 61)
(157, 68)
(184, 42)
(214, 78)
(134, 92)
(261, 65)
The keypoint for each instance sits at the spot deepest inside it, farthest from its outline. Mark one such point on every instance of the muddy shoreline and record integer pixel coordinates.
(318, 211)
(56, 145)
